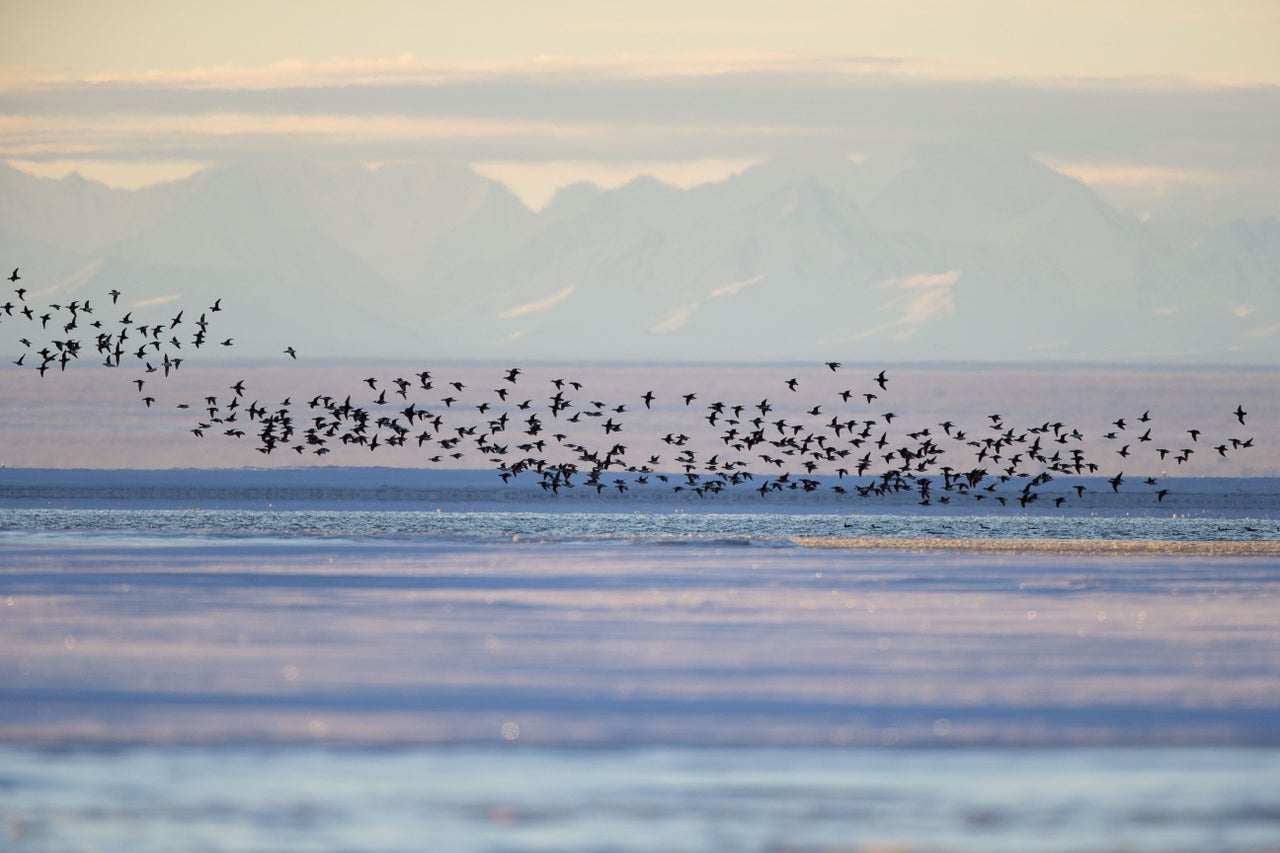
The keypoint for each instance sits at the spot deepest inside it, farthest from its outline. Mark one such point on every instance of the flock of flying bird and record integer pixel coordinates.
(553, 430)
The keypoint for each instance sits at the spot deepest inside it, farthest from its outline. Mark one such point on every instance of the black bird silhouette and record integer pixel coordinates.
(13, 276)
(1021, 456)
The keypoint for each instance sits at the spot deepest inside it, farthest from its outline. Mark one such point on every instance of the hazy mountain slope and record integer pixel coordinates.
(949, 254)
(75, 215)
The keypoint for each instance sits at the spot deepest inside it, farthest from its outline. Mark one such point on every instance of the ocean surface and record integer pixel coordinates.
(364, 660)
(761, 529)
(645, 799)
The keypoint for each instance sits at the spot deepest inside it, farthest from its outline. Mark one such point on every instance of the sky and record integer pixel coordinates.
(1141, 99)
(1165, 107)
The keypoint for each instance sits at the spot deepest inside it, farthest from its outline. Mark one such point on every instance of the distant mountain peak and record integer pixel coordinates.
(780, 261)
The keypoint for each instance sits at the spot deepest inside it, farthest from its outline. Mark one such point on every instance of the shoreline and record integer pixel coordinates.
(1070, 547)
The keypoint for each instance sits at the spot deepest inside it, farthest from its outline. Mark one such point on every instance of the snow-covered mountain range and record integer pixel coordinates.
(946, 255)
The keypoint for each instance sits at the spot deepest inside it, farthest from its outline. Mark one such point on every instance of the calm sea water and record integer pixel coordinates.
(761, 528)
(659, 799)
(514, 796)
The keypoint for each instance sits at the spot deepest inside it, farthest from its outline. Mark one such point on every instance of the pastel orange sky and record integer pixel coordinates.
(1224, 40)
(540, 95)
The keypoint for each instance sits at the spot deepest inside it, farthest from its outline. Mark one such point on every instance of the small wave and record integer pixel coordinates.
(1102, 535)
(705, 541)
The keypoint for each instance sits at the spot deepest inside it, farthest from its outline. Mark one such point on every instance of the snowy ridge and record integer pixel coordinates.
(656, 272)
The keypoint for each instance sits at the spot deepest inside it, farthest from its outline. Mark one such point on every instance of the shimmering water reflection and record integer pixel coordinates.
(568, 526)
(687, 800)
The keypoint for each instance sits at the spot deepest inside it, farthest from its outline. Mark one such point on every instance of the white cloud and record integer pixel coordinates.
(410, 70)
(538, 305)
(696, 113)
(34, 134)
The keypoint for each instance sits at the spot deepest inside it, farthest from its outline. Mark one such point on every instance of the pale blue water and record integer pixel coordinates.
(762, 528)
(265, 796)
(656, 799)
